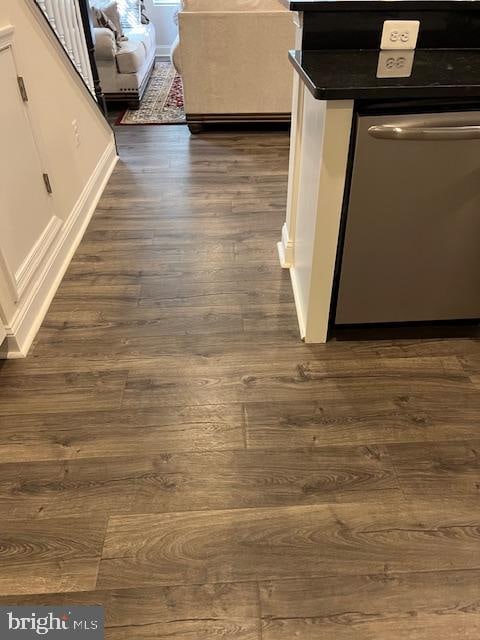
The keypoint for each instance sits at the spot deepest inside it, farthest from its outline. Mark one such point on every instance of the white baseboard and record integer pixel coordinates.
(44, 284)
(163, 50)
(34, 259)
(296, 296)
(285, 249)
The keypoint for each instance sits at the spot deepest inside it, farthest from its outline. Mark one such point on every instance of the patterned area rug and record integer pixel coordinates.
(162, 102)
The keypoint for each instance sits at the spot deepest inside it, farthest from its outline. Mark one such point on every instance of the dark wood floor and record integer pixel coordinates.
(172, 450)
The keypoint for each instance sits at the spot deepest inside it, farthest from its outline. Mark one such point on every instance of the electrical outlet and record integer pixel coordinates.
(76, 132)
(400, 34)
(395, 64)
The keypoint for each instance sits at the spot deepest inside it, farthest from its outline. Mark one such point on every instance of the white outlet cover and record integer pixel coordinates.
(400, 34)
(395, 64)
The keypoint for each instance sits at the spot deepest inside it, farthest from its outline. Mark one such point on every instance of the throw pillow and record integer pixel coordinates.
(102, 20)
(112, 12)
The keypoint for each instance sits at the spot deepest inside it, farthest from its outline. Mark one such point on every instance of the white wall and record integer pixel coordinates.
(78, 174)
(163, 18)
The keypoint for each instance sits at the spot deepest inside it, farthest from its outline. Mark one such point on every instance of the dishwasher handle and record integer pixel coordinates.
(394, 132)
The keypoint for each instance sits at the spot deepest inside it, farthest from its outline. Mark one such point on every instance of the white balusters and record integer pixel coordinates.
(41, 4)
(66, 20)
(82, 49)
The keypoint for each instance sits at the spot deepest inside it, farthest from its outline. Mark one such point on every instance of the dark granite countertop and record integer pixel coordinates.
(375, 5)
(352, 74)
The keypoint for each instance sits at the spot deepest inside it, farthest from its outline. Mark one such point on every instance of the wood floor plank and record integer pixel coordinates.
(240, 182)
(277, 345)
(115, 255)
(47, 393)
(100, 434)
(254, 383)
(56, 489)
(196, 480)
(50, 555)
(171, 352)
(114, 239)
(87, 324)
(420, 606)
(277, 317)
(191, 228)
(200, 612)
(417, 417)
(220, 349)
(438, 468)
(154, 321)
(111, 293)
(151, 261)
(419, 367)
(286, 542)
(157, 277)
(424, 347)
(172, 205)
(185, 294)
(176, 295)
(107, 250)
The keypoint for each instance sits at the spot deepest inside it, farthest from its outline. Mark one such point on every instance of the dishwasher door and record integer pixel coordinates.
(412, 235)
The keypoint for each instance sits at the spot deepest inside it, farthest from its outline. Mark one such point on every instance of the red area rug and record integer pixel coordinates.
(162, 102)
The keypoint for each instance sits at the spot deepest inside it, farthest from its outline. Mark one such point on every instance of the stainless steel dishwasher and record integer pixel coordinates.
(411, 248)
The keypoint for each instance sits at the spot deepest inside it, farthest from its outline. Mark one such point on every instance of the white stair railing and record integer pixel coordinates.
(66, 21)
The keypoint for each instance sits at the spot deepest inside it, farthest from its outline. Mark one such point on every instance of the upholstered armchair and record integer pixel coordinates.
(233, 59)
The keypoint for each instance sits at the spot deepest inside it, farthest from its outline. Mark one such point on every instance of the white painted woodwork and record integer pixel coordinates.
(27, 209)
(320, 165)
(319, 146)
(286, 246)
(66, 21)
